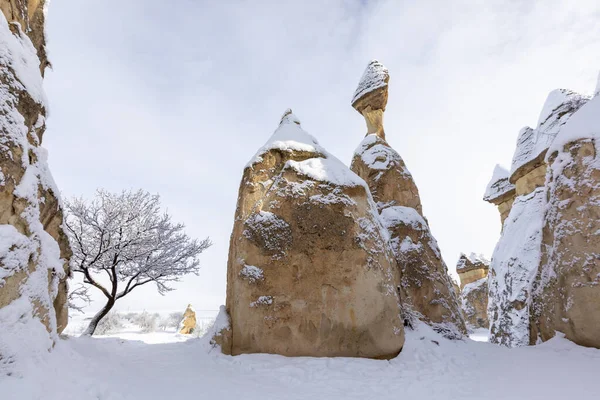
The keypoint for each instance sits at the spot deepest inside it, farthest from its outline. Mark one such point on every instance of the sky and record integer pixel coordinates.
(176, 97)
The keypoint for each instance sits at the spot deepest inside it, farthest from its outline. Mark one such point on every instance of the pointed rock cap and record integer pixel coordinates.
(499, 188)
(288, 117)
(372, 88)
(597, 91)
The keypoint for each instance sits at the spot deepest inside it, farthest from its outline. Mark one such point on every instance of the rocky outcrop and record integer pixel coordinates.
(33, 248)
(567, 288)
(473, 273)
(501, 192)
(543, 275)
(310, 272)
(187, 326)
(426, 286)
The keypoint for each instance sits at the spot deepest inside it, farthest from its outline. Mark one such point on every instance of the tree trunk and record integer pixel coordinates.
(98, 317)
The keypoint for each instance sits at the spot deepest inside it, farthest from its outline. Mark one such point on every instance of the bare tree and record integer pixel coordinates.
(77, 295)
(126, 240)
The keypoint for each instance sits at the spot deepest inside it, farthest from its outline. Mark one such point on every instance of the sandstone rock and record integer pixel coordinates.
(34, 251)
(567, 289)
(473, 272)
(472, 268)
(500, 192)
(310, 272)
(371, 95)
(524, 249)
(427, 287)
(187, 326)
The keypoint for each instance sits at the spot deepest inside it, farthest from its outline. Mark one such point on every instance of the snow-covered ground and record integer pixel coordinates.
(429, 367)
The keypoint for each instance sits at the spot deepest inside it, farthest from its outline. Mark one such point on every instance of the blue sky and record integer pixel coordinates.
(175, 97)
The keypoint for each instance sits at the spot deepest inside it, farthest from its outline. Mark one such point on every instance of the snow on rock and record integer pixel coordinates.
(375, 76)
(584, 124)
(513, 269)
(499, 185)
(385, 172)
(33, 249)
(532, 144)
(252, 273)
(567, 291)
(597, 90)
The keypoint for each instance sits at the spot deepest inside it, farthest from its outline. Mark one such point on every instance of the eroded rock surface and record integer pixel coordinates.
(567, 289)
(310, 272)
(473, 273)
(427, 289)
(545, 268)
(34, 251)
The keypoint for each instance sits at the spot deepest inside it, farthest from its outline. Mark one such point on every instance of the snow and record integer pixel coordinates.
(329, 170)
(321, 167)
(375, 76)
(252, 273)
(499, 184)
(429, 367)
(392, 216)
(513, 268)
(585, 124)
(18, 53)
(560, 105)
(289, 136)
(478, 258)
(15, 250)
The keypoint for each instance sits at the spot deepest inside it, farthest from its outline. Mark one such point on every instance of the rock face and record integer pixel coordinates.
(473, 272)
(567, 289)
(544, 272)
(501, 192)
(426, 286)
(34, 251)
(187, 325)
(310, 272)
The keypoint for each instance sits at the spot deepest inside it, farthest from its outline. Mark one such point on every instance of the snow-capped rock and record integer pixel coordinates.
(426, 285)
(371, 95)
(500, 191)
(567, 290)
(473, 273)
(322, 278)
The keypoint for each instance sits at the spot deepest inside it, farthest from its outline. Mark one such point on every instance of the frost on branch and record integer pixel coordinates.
(128, 238)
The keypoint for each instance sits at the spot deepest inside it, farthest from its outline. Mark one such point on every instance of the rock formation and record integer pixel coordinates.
(426, 285)
(187, 326)
(544, 271)
(500, 192)
(567, 288)
(473, 273)
(310, 272)
(33, 248)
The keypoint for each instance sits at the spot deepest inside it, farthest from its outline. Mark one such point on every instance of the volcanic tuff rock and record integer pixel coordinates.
(188, 323)
(309, 271)
(545, 268)
(427, 288)
(567, 288)
(473, 272)
(33, 248)
(500, 192)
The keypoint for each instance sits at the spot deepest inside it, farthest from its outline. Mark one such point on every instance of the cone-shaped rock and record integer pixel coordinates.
(309, 272)
(187, 325)
(427, 287)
